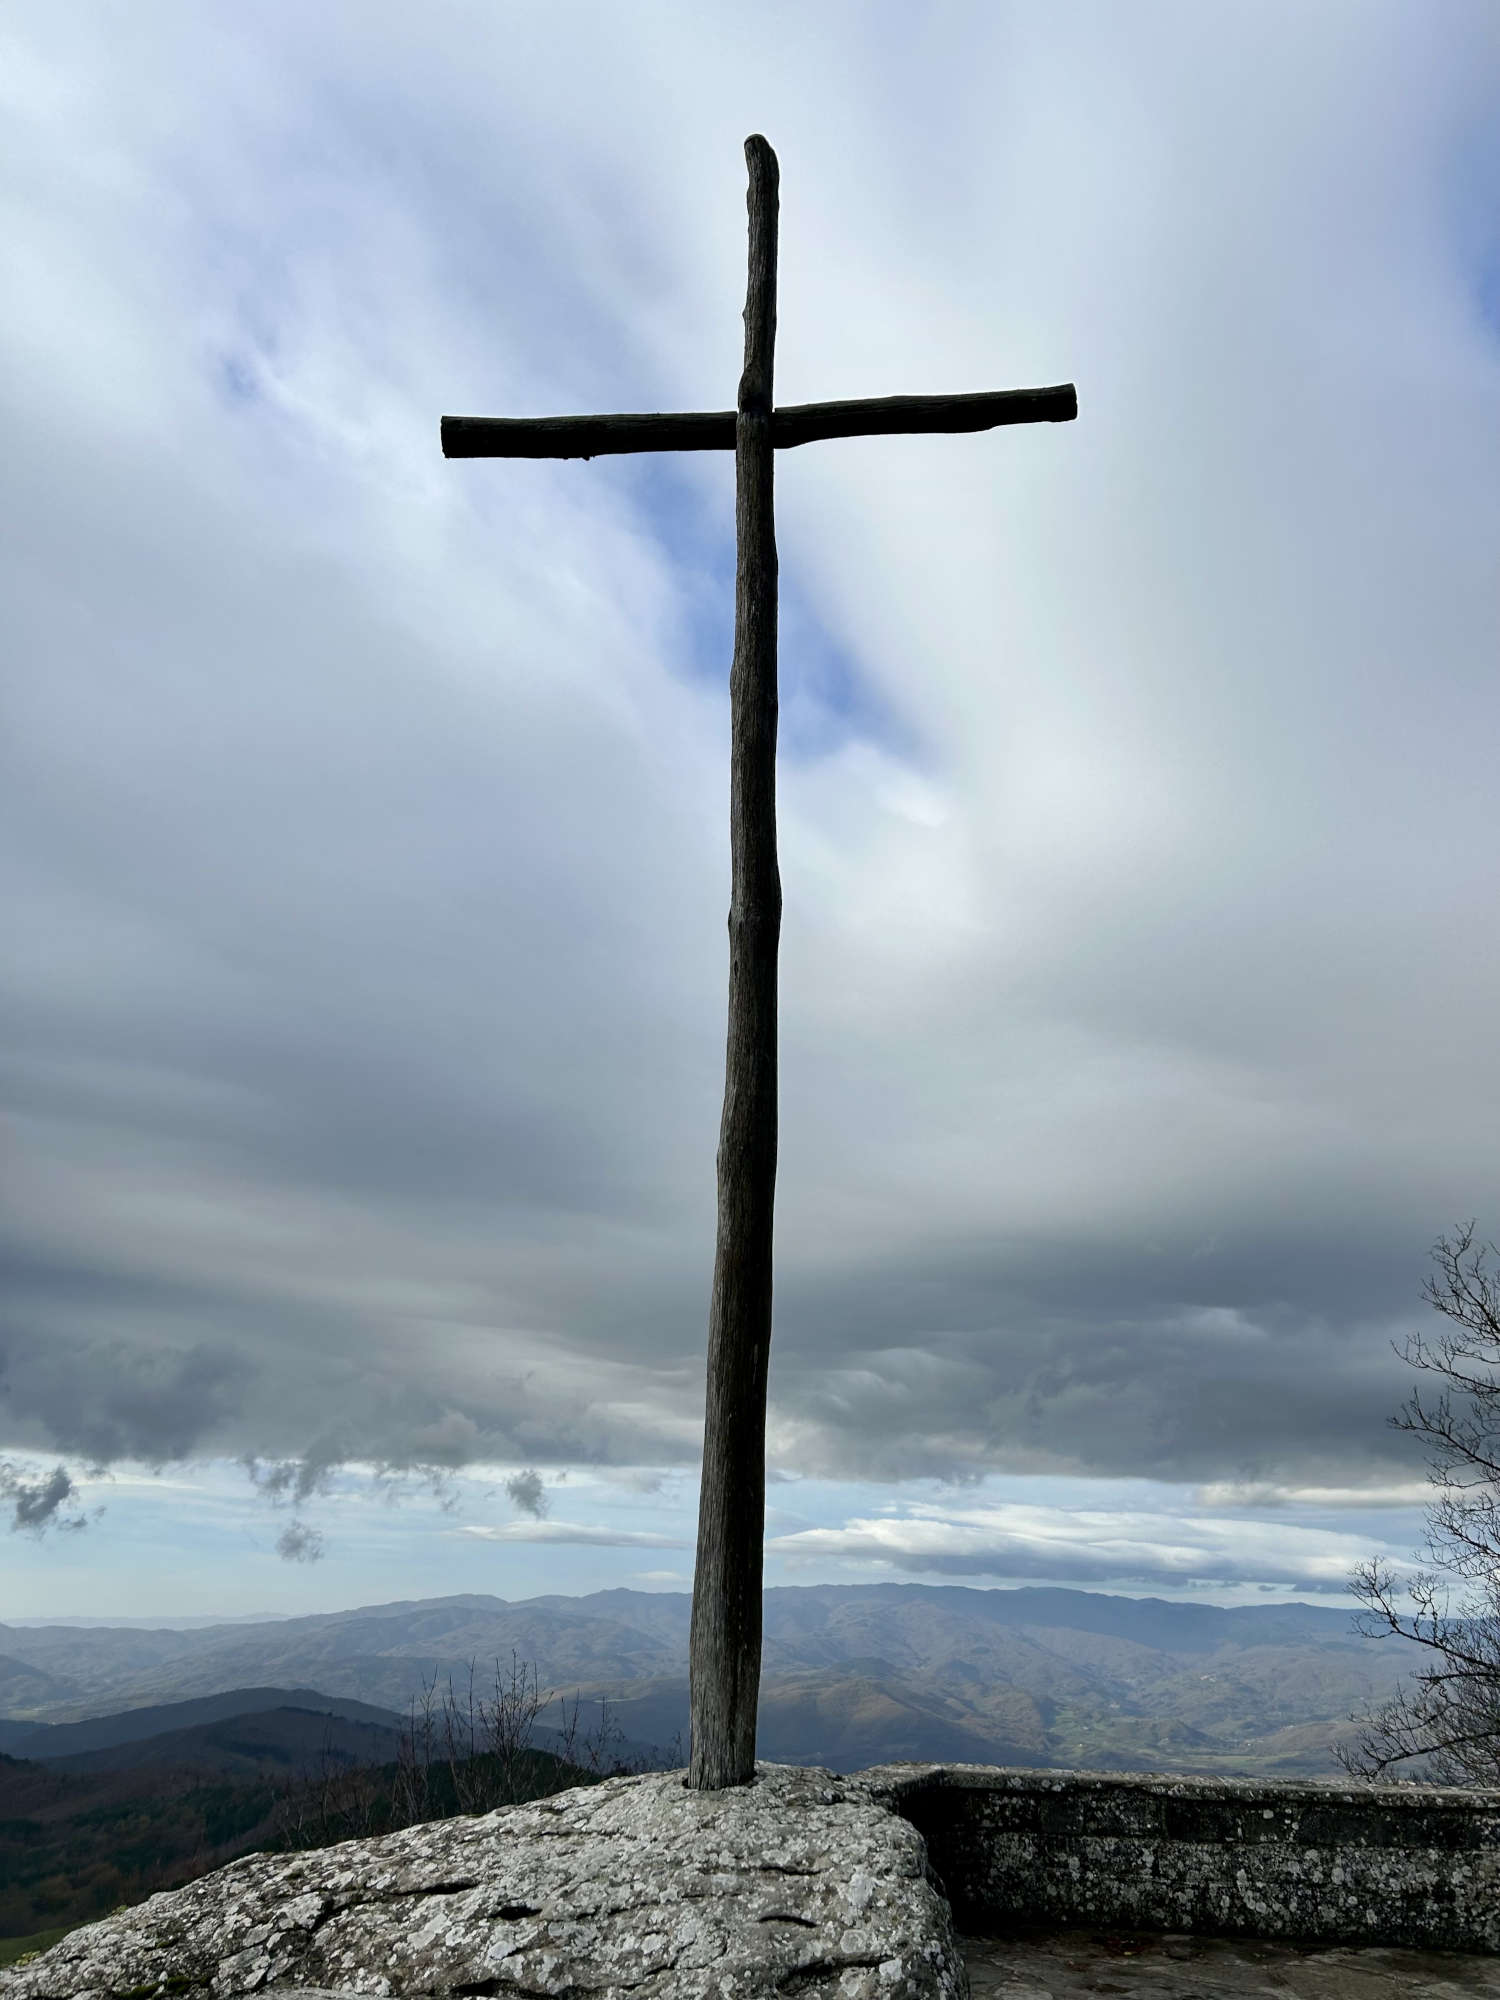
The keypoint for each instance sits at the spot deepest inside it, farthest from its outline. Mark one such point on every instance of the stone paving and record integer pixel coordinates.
(1072, 1964)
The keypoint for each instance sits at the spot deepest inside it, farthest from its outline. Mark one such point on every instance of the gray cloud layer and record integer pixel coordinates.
(364, 851)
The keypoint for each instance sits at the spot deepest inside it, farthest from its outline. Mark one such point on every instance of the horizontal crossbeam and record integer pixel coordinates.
(796, 423)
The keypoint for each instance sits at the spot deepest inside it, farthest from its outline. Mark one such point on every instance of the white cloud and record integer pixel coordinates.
(584, 1535)
(1085, 1546)
(1259, 1493)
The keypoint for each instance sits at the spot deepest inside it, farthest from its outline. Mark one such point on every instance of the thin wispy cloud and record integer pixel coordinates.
(577, 1533)
(1231, 1493)
(1084, 1546)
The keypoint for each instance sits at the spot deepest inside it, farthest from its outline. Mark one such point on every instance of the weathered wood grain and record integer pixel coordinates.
(725, 1641)
(725, 1645)
(715, 430)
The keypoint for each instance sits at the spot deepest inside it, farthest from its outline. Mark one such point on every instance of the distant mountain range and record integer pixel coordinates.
(243, 1730)
(253, 1732)
(184, 1624)
(135, 1758)
(853, 1675)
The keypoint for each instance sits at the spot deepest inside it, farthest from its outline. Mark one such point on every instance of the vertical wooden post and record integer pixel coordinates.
(724, 1656)
(724, 1660)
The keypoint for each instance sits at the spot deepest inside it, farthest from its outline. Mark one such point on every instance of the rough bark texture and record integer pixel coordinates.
(802, 1886)
(724, 1664)
(724, 1655)
(896, 416)
(587, 437)
(716, 430)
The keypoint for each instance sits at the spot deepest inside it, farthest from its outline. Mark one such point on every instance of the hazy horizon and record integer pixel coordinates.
(203, 1621)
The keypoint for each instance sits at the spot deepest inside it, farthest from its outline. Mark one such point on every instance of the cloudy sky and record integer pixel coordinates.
(363, 817)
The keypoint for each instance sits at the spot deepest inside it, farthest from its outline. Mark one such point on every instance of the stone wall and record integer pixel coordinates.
(1336, 1863)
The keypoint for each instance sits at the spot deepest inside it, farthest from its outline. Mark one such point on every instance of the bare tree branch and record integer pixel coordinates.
(1446, 1724)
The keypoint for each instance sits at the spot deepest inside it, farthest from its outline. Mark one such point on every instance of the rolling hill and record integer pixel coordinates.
(853, 1674)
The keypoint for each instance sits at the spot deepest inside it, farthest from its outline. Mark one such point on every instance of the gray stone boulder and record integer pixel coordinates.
(800, 1885)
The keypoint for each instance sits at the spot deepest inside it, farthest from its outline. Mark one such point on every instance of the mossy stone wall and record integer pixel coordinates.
(1333, 1863)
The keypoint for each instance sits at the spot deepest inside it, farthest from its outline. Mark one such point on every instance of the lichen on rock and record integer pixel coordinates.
(801, 1885)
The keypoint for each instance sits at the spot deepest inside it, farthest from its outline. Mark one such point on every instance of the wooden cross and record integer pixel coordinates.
(725, 1644)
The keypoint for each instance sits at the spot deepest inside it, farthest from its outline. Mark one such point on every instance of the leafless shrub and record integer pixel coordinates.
(466, 1752)
(1445, 1726)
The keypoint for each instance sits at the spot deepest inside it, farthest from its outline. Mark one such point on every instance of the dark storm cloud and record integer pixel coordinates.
(154, 1403)
(37, 1504)
(298, 1542)
(1252, 1355)
(363, 821)
(526, 1492)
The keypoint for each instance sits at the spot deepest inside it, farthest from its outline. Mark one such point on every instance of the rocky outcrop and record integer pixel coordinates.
(800, 1885)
